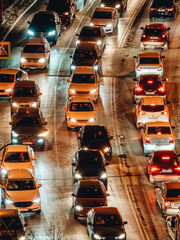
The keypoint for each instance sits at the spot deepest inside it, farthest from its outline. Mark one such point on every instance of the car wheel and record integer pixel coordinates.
(165, 47)
(42, 147)
(75, 216)
(38, 211)
(151, 180)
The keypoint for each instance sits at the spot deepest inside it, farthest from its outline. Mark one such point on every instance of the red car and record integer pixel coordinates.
(163, 166)
(149, 85)
(155, 35)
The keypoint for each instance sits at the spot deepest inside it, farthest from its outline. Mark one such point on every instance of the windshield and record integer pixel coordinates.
(102, 15)
(162, 3)
(89, 160)
(17, 157)
(149, 60)
(20, 185)
(83, 78)
(59, 6)
(152, 108)
(9, 224)
(89, 32)
(173, 193)
(154, 31)
(161, 130)
(28, 122)
(107, 220)
(25, 92)
(85, 54)
(34, 49)
(81, 107)
(90, 193)
(6, 78)
(43, 19)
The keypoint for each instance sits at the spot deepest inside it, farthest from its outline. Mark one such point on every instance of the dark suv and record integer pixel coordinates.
(163, 9)
(28, 127)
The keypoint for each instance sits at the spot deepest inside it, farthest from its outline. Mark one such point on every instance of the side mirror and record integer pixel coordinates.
(39, 185)
(70, 56)
(20, 50)
(73, 195)
(107, 194)
(141, 127)
(178, 154)
(33, 158)
(168, 219)
(164, 80)
(98, 81)
(134, 56)
(106, 164)
(162, 56)
(168, 28)
(173, 127)
(100, 57)
(89, 223)
(65, 109)
(44, 123)
(96, 109)
(156, 186)
(10, 123)
(3, 187)
(78, 137)
(68, 80)
(58, 23)
(134, 79)
(134, 102)
(0, 158)
(29, 22)
(111, 137)
(73, 164)
(72, 4)
(125, 222)
(39, 93)
(147, 155)
(48, 51)
(141, 28)
(90, 16)
(167, 102)
(77, 34)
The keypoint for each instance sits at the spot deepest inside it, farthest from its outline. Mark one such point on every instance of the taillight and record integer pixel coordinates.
(159, 133)
(169, 9)
(144, 35)
(138, 89)
(159, 68)
(153, 9)
(161, 89)
(154, 169)
(171, 140)
(139, 68)
(167, 204)
(164, 112)
(177, 169)
(164, 35)
(147, 139)
(141, 112)
(150, 82)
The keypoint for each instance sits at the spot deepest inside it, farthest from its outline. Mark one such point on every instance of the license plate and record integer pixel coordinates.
(27, 143)
(154, 38)
(161, 10)
(150, 93)
(166, 170)
(153, 117)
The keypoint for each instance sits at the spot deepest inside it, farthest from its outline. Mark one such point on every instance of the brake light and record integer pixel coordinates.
(147, 139)
(159, 133)
(159, 68)
(164, 35)
(138, 89)
(165, 158)
(153, 9)
(164, 113)
(169, 9)
(150, 82)
(154, 169)
(141, 112)
(139, 68)
(152, 104)
(177, 169)
(161, 89)
(171, 140)
(144, 35)
(167, 204)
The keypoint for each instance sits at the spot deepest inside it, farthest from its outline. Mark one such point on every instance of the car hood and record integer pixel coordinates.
(83, 86)
(41, 28)
(85, 62)
(27, 131)
(108, 231)
(81, 115)
(24, 99)
(9, 166)
(33, 55)
(91, 202)
(88, 172)
(97, 21)
(4, 86)
(23, 196)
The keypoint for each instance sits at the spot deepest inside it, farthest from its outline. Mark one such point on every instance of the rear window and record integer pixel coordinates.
(103, 15)
(161, 130)
(83, 107)
(83, 78)
(173, 193)
(154, 31)
(149, 60)
(162, 3)
(88, 32)
(152, 108)
(90, 193)
(34, 49)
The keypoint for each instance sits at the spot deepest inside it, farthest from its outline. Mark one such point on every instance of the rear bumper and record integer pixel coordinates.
(148, 148)
(166, 177)
(150, 44)
(161, 15)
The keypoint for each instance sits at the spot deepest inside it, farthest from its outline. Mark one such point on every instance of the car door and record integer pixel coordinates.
(144, 133)
(57, 24)
(74, 163)
(160, 195)
(150, 160)
(115, 18)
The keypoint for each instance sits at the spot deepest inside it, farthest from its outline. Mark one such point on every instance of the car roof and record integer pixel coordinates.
(9, 70)
(19, 174)
(91, 27)
(35, 41)
(158, 123)
(17, 148)
(155, 100)
(25, 83)
(155, 25)
(48, 12)
(105, 210)
(149, 54)
(84, 70)
(172, 185)
(9, 212)
(104, 9)
(28, 112)
(80, 99)
(89, 183)
(89, 128)
(87, 45)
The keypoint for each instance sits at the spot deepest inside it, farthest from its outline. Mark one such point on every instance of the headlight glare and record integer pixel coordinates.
(96, 236)
(91, 24)
(8, 90)
(109, 25)
(66, 13)
(117, 6)
(3, 171)
(93, 90)
(42, 60)
(44, 134)
(96, 67)
(51, 33)
(14, 104)
(92, 119)
(103, 176)
(15, 134)
(102, 5)
(34, 104)
(9, 201)
(78, 208)
(23, 60)
(106, 149)
(122, 236)
(30, 33)
(22, 238)
(72, 120)
(36, 200)
(72, 91)
(77, 176)
(73, 67)
(99, 42)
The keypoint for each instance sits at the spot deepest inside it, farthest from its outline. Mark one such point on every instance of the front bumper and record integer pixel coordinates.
(35, 141)
(33, 208)
(171, 211)
(33, 64)
(4, 94)
(79, 123)
(148, 147)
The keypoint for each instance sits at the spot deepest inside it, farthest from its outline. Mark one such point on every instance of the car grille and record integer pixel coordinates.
(32, 59)
(82, 121)
(23, 204)
(24, 105)
(42, 34)
(108, 238)
(2, 90)
(82, 92)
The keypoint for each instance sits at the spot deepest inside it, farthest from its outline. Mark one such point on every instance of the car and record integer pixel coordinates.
(149, 85)
(163, 166)
(8, 78)
(86, 53)
(45, 24)
(89, 164)
(12, 225)
(96, 137)
(94, 34)
(167, 197)
(173, 226)
(157, 136)
(84, 81)
(151, 109)
(80, 111)
(17, 156)
(106, 17)
(25, 94)
(120, 5)
(155, 35)
(105, 223)
(66, 9)
(21, 191)
(149, 63)
(163, 9)
(36, 54)
(87, 194)
(29, 127)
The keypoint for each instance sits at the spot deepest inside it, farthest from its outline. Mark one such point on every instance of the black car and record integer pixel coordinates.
(96, 137)
(86, 53)
(89, 164)
(28, 127)
(25, 94)
(163, 9)
(105, 223)
(119, 5)
(45, 24)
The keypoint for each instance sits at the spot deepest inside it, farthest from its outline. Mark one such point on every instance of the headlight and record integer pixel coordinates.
(78, 208)
(42, 60)
(72, 90)
(77, 176)
(9, 201)
(109, 25)
(72, 120)
(43, 134)
(8, 90)
(91, 24)
(34, 104)
(78, 41)
(102, 5)
(30, 32)
(103, 176)
(14, 140)
(96, 236)
(31, 170)
(22, 238)
(22, 60)
(15, 134)
(14, 104)
(3, 171)
(93, 90)
(36, 200)
(96, 67)
(117, 6)
(66, 13)
(122, 236)
(73, 67)
(85, 148)
(106, 149)
(51, 33)
(92, 119)
(99, 42)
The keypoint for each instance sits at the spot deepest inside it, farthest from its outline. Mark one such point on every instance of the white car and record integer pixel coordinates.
(149, 63)
(84, 81)
(151, 109)
(157, 136)
(17, 156)
(8, 78)
(106, 17)
(36, 53)
(21, 191)
(80, 111)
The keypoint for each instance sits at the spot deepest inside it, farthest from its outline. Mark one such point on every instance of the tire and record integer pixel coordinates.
(75, 216)
(42, 147)
(151, 180)
(38, 211)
